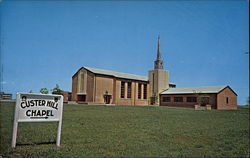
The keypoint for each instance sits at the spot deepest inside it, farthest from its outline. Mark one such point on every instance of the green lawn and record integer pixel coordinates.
(126, 131)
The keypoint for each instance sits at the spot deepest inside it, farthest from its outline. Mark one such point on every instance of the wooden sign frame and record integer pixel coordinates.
(31, 107)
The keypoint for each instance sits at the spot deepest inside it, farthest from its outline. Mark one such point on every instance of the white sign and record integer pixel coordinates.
(32, 107)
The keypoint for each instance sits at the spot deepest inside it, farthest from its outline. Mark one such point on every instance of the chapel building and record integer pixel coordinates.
(99, 87)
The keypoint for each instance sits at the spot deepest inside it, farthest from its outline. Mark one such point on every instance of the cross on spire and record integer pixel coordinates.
(158, 62)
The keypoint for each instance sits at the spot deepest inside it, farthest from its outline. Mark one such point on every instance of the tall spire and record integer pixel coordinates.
(158, 49)
(158, 62)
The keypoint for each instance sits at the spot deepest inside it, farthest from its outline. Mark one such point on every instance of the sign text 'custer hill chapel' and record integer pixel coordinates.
(32, 113)
(38, 108)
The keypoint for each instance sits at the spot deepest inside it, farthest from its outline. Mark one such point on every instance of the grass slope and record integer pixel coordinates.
(126, 131)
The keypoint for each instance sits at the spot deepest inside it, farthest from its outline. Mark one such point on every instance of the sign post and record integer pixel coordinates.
(32, 107)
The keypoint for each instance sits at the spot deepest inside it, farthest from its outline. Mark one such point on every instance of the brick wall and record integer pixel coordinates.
(134, 94)
(212, 100)
(222, 100)
(90, 87)
(74, 87)
(103, 84)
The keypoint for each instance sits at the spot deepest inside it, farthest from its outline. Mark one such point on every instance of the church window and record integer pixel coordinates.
(166, 99)
(82, 82)
(178, 99)
(145, 91)
(139, 90)
(122, 89)
(191, 99)
(129, 90)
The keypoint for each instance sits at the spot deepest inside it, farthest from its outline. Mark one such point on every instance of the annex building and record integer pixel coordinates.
(98, 87)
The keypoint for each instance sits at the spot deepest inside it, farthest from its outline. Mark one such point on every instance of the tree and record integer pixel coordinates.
(44, 91)
(56, 89)
(248, 101)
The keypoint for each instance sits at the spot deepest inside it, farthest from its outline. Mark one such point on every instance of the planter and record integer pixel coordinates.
(208, 107)
(198, 107)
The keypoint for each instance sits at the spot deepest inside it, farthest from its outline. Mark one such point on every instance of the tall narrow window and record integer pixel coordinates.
(122, 89)
(145, 91)
(139, 90)
(227, 100)
(129, 90)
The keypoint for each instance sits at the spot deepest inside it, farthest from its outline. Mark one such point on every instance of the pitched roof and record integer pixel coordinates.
(212, 89)
(117, 74)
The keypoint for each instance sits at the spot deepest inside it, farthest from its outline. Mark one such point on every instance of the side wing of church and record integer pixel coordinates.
(219, 97)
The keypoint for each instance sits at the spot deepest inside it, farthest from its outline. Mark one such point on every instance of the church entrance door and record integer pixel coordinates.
(81, 98)
(107, 97)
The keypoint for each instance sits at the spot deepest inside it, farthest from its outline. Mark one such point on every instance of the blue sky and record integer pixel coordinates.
(203, 43)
